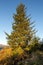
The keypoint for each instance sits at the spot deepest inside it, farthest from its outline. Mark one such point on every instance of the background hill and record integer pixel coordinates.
(2, 46)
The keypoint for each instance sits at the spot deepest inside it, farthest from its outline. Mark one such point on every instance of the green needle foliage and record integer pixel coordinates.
(22, 29)
(24, 45)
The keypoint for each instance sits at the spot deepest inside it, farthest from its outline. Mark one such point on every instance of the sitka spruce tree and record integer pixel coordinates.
(22, 29)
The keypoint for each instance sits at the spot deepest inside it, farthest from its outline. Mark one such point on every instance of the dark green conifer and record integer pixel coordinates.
(22, 29)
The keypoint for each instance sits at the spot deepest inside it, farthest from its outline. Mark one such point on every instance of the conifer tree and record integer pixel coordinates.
(22, 29)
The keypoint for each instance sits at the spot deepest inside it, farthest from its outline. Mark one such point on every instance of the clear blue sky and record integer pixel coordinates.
(8, 7)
